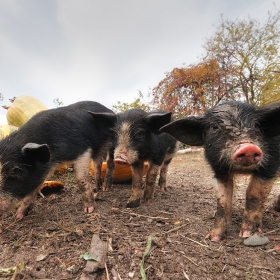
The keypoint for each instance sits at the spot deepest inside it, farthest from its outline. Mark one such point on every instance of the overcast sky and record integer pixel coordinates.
(104, 50)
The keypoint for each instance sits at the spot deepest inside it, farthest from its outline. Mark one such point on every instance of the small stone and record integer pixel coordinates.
(41, 257)
(28, 243)
(256, 240)
(131, 274)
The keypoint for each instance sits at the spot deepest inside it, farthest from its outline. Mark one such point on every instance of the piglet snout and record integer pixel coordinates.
(121, 159)
(4, 205)
(247, 154)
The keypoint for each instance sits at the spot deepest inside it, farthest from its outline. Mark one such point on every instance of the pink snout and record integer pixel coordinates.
(121, 159)
(247, 154)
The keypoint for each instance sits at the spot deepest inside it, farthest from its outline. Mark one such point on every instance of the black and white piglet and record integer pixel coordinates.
(238, 138)
(137, 139)
(51, 137)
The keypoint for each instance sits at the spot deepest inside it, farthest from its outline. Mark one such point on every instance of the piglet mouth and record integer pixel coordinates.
(121, 159)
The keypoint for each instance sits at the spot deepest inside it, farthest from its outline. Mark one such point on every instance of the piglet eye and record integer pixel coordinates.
(17, 172)
(214, 126)
(141, 136)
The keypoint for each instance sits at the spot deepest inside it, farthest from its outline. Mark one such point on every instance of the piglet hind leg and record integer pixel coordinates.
(137, 191)
(97, 164)
(224, 206)
(162, 175)
(81, 166)
(150, 182)
(109, 176)
(256, 195)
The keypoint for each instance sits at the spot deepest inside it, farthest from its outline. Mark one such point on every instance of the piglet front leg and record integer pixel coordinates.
(26, 205)
(137, 191)
(224, 207)
(81, 166)
(256, 195)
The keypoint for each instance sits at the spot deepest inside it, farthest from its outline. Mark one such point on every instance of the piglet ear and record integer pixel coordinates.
(156, 120)
(268, 119)
(187, 130)
(104, 120)
(37, 152)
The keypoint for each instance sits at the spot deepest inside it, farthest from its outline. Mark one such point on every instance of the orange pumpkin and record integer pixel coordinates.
(122, 173)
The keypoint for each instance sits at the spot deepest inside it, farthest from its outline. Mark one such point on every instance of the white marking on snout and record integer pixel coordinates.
(124, 145)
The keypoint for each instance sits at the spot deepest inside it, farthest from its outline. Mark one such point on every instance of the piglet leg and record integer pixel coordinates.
(97, 165)
(137, 191)
(108, 180)
(224, 207)
(150, 182)
(81, 166)
(256, 195)
(277, 204)
(26, 205)
(162, 175)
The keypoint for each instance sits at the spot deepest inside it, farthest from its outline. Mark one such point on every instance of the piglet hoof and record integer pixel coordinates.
(148, 195)
(105, 189)
(133, 203)
(21, 212)
(163, 189)
(215, 235)
(148, 201)
(247, 232)
(249, 228)
(88, 209)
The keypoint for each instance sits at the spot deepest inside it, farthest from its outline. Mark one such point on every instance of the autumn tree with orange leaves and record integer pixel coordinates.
(241, 63)
(193, 89)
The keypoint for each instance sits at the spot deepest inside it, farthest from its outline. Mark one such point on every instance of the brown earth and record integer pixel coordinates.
(49, 242)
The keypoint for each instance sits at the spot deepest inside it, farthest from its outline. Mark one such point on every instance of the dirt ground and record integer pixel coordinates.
(49, 242)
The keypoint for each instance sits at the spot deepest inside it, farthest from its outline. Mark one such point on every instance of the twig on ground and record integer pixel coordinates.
(186, 276)
(224, 268)
(184, 255)
(197, 242)
(272, 231)
(144, 216)
(107, 273)
(261, 267)
(164, 212)
(41, 194)
(171, 230)
(11, 225)
(61, 262)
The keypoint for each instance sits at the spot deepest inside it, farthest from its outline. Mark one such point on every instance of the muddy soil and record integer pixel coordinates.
(49, 242)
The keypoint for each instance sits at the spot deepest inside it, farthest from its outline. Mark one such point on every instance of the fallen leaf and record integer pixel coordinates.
(87, 257)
